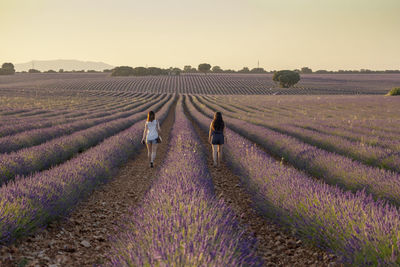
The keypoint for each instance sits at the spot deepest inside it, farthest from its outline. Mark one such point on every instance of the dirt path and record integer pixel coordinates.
(275, 246)
(82, 239)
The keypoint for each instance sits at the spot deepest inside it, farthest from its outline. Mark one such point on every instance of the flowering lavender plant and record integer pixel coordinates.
(29, 202)
(180, 221)
(358, 229)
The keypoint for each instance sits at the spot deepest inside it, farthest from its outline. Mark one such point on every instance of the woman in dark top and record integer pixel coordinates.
(216, 137)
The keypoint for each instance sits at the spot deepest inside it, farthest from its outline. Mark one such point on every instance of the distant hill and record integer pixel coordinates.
(66, 64)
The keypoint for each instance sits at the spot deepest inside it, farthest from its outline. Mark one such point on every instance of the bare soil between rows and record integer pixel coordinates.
(275, 246)
(84, 237)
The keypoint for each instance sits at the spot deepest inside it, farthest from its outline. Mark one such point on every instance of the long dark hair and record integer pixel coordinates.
(217, 123)
(151, 116)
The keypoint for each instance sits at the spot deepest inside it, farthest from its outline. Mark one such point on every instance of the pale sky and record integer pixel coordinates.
(281, 34)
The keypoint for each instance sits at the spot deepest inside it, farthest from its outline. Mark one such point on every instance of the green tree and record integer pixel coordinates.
(306, 70)
(175, 71)
(140, 71)
(7, 69)
(229, 71)
(286, 78)
(217, 69)
(322, 71)
(257, 70)
(244, 70)
(204, 67)
(187, 68)
(122, 71)
(154, 71)
(33, 71)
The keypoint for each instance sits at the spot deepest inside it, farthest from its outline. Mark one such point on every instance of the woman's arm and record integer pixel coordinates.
(158, 128)
(223, 131)
(144, 132)
(209, 134)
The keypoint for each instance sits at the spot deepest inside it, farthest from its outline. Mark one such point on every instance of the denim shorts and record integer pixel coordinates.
(154, 141)
(217, 139)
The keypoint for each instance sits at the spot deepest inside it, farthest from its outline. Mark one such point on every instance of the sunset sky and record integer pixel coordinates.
(281, 34)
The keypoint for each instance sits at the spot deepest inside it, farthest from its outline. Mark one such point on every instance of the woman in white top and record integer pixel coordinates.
(151, 133)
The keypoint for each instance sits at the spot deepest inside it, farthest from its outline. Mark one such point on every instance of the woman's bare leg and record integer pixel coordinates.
(219, 154)
(154, 152)
(215, 151)
(149, 149)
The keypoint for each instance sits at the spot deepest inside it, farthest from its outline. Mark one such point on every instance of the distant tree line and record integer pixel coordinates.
(207, 68)
(306, 70)
(63, 71)
(142, 71)
(8, 69)
(202, 68)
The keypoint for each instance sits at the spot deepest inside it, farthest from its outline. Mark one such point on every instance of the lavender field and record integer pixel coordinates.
(317, 164)
(219, 84)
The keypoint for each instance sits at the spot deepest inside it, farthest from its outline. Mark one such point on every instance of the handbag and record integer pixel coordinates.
(159, 139)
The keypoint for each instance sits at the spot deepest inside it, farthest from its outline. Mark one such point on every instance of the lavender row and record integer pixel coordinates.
(47, 102)
(80, 111)
(66, 110)
(358, 229)
(372, 113)
(180, 222)
(371, 155)
(368, 137)
(238, 84)
(331, 167)
(354, 133)
(363, 142)
(29, 130)
(357, 108)
(31, 202)
(38, 136)
(39, 112)
(25, 125)
(56, 151)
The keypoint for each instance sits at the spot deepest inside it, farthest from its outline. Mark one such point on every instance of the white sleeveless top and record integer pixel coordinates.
(152, 133)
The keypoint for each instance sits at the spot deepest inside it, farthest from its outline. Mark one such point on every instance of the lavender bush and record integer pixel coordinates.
(358, 229)
(56, 151)
(17, 125)
(35, 137)
(370, 112)
(180, 222)
(331, 167)
(29, 202)
(371, 155)
(382, 139)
